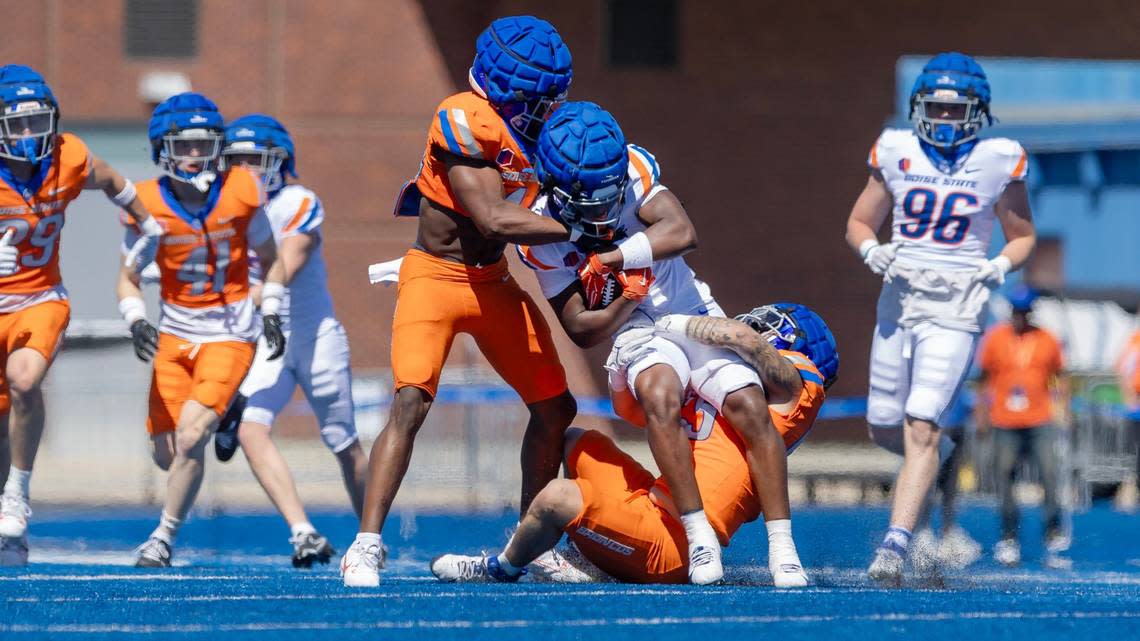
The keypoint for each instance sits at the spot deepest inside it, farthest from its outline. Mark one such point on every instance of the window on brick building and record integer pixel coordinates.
(161, 28)
(642, 33)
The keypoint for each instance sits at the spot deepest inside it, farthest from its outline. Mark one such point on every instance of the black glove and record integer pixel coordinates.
(145, 338)
(274, 337)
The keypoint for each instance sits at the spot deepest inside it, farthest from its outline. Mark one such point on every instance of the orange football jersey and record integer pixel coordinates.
(37, 219)
(467, 125)
(203, 261)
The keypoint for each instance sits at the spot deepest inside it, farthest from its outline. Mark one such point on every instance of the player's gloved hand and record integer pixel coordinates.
(9, 255)
(635, 283)
(629, 347)
(142, 252)
(593, 276)
(992, 272)
(271, 295)
(876, 257)
(145, 339)
(673, 324)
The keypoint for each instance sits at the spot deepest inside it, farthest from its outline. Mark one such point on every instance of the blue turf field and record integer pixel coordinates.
(234, 579)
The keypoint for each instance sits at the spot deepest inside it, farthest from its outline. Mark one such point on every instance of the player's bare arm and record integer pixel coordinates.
(294, 252)
(782, 381)
(586, 327)
(105, 178)
(668, 228)
(869, 212)
(1016, 219)
(479, 188)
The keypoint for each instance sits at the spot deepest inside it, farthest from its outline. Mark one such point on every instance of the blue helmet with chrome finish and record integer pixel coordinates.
(796, 328)
(186, 132)
(262, 144)
(523, 68)
(583, 166)
(29, 115)
(950, 100)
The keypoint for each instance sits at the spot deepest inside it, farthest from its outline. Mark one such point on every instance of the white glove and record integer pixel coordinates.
(142, 252)
(992, 272)
(629, 347)
(673, 324)
(9, 255)
(878, 257)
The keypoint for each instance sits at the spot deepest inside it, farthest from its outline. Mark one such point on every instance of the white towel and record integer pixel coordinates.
(386, 273)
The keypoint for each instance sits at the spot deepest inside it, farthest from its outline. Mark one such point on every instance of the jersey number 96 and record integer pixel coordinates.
(947, 228)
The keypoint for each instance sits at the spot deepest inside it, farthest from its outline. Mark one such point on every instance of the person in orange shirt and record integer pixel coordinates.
(1128, 371)
(621, 517)
(205, 342)
(471, 195)
(1019, 363)
(41, 172)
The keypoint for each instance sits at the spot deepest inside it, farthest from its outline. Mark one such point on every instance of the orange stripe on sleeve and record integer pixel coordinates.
(875, 156)
(643, 172)
(295, 221)
(1019, 170)
(532, 260)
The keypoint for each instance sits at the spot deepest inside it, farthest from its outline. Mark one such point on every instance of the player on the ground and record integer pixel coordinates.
(945, 188)
(205, 341)
(42, 171)
(470, 195)
(316, 356)
(594, 182)
(623, 519)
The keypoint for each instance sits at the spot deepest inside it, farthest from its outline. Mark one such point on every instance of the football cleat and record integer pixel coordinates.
(784, 564)
(226, 437)
(958, 549)
(565, 565)
(13, 551)
(154, 553)
(360, 565)
(310, 547)
(923, 552)
(14, 513)
(459, 568)
(1008, 552)
(887, 567)
(705, 567)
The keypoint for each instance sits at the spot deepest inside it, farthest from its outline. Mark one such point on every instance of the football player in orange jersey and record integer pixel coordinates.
(620, 517)
(42, 171)
(474, 183)
(205, 342)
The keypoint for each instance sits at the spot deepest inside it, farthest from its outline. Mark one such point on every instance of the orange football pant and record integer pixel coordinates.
(208, 373)
(39, 327)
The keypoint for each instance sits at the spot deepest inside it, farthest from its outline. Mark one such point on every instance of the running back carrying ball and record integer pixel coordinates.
(602, 286)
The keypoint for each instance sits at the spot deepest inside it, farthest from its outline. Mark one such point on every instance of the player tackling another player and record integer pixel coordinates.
(621, 518)
(634, 232)
(42, 171)
(944, 188)
(205, 341)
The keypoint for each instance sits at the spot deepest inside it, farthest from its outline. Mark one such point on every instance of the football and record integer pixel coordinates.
(610, 292)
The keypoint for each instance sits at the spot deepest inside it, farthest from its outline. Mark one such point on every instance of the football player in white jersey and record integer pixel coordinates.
(944, 188)
(317, 355)
(596, 184)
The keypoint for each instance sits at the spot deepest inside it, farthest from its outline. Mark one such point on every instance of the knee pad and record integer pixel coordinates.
(338, 436)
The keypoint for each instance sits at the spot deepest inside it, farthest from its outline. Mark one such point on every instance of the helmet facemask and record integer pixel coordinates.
(596, 214)
(528, 117)
(191, 146)
(265, 162)
(774, 325)
(28, 131)
(946, 119)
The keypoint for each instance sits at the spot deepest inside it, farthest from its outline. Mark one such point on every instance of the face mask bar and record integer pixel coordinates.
(266, 163)
(936, 124)
(596, 217)
(527, 118)
(199, 146)
(776, 326)
(28, 130)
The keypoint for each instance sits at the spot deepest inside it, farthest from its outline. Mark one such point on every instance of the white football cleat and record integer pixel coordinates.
(1008, 552)
(923, 552)
(705, 566)
(14, 513)
(13, 552)
(360, 565)
(784, 564)
(958, 550)
(453, 568)
(887, 567)
(565, 565)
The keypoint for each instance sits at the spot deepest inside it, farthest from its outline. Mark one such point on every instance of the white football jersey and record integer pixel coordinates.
(675, 288)
(944, 220)
(296, 210)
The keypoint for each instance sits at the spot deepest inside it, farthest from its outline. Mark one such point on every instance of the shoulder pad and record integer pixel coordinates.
(1005, 155)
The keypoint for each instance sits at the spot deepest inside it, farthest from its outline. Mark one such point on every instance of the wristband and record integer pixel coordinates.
(127, 195)
(866, 246)
(271, 295)
(132, 308)
(636, 252)
(1003, 263)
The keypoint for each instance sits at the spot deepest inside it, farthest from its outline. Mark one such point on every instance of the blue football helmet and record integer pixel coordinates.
(187, 128)
(796, 328)
(1022, 297)
(262, 144)
(583, 166)
(950, 100)
(523, 68)
(30, 117)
